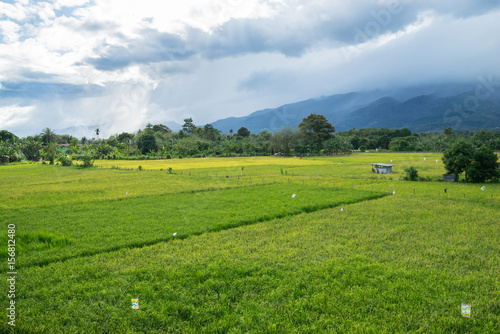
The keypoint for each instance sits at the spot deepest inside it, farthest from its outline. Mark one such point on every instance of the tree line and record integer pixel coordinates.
(315, 135)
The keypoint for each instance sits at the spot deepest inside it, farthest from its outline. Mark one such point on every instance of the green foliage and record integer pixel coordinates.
(64, 159)
(284, 140)
(7, 136)
(31, 148)
(87, 158)
(48, 136)
(170, 170)
(484, 166)
(50, 152)
(411, 174)
(243, 132)
(140, 167)
(458, 157)
(147, 142)
(188, 126)
(316, 129)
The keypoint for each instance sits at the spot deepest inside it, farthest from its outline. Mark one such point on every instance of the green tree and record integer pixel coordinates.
(125, 137)
(50, 152)
(7, 136)
(284, 140)
(457, 158)
(47, 136)
(243, 132)
(484, 166)
(316, 129)
(147, 142)
(210, 133)
(161, 128)
(188, 126)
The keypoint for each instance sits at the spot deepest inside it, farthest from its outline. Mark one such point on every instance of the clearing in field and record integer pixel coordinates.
(283, 245)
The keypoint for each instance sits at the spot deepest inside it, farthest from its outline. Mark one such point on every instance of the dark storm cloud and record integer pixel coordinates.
(152, 47)
(292, 33)
(37, 90)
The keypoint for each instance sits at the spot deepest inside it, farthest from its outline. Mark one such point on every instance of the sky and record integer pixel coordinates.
(120, 64)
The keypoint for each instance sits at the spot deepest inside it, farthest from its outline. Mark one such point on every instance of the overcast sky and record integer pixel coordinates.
(120, 64)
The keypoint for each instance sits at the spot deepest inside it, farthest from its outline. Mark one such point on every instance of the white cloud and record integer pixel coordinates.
(216, 58)
(13, 116)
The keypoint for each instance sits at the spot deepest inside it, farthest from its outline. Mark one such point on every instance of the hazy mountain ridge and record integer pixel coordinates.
(440, 107)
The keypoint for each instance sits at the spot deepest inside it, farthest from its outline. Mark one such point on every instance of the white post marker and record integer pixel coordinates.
(466, 311)
(424, 158)
(437, 160)
(135, 303)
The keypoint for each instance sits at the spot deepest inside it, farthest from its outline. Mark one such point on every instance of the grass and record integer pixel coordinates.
(379, 266)
(95, 227)
(247, 257)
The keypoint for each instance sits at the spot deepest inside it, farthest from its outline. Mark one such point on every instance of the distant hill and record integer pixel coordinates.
(429, 108)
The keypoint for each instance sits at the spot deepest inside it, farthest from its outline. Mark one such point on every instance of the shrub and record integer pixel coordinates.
(65, 160)
(139, 168)
(86, 158)
(170, 170)
(411, 174)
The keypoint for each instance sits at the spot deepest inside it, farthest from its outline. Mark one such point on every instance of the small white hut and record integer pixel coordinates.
(382, 168)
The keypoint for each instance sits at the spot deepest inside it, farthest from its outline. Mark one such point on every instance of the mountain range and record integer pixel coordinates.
(420, 109)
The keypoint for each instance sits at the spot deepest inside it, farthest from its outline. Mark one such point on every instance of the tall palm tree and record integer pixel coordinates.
(48, 136)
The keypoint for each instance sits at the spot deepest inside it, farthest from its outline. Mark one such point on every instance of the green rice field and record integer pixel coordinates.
(249, 245)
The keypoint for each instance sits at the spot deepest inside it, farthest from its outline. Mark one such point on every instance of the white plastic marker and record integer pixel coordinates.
(424, 159)
(394, 192)
(466, 310)
(293, 196)
(175, 234)
(126, 193)
(341, 209)
(483, 188)
(437, 160)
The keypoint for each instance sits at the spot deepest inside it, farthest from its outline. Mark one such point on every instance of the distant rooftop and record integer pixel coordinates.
(382, 165)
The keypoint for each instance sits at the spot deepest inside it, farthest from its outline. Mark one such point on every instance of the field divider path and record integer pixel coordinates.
(145, 221)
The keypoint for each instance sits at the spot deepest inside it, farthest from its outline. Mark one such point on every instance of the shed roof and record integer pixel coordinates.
(382, 165)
